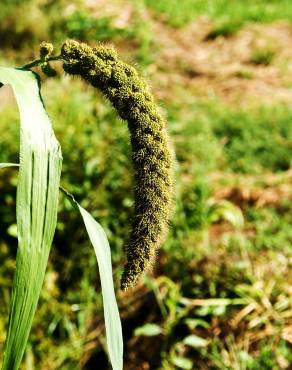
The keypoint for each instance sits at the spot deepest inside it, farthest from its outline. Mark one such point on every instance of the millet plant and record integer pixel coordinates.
(39, 184)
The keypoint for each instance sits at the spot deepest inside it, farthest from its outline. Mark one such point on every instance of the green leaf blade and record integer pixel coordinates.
(37, 200)
(113, 326)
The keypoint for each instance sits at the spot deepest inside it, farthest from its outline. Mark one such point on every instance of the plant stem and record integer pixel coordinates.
(39, 61)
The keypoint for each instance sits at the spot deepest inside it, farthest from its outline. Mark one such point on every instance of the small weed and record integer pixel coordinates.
(225, 29)
(262, 57)
(244, 74)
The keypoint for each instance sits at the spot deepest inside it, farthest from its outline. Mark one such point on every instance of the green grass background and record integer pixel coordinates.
(236, 253)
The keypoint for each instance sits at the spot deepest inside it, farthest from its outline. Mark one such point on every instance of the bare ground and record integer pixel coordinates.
(186, 58)
(222, 67)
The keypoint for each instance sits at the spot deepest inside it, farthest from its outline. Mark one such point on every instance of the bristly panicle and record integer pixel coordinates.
(46, 49)
(152, 158)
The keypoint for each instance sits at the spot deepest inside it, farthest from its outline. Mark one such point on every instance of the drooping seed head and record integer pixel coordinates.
(151, 155)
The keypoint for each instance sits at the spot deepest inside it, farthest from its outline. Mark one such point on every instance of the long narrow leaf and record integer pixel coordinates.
(37, 199)
(4, 165)
(102, 250)
(101, 247)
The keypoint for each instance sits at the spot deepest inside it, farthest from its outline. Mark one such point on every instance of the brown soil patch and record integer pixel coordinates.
(218, 68)
(222, 67)
(265, 190)
(255, 196)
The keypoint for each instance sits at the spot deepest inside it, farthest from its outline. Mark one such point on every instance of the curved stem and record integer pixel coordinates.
(39, 61)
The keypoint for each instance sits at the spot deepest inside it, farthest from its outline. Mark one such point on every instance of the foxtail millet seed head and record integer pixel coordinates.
(46, 49)
(151, 154)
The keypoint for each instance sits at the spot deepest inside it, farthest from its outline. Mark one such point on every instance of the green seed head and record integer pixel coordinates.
(46, 49)
(152, 158)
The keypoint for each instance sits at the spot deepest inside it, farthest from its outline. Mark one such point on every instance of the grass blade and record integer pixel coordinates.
(37, 199)
(101, 247)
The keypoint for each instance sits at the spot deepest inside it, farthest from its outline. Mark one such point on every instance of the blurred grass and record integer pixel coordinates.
(178, 13)
(213, 136)
(220, 295)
